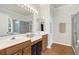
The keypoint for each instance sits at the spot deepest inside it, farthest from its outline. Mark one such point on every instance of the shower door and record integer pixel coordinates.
(75, 32)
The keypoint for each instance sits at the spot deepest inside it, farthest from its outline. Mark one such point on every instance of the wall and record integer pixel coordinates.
(52, 23)
(64, 14)
(3, 24)
(45, 13)
(15, 15)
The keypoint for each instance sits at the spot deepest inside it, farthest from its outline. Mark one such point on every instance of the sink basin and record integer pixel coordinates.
(35, 38)
(16, 37)
(11, 40)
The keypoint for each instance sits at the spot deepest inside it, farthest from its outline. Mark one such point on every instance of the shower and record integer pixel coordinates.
(75, 32)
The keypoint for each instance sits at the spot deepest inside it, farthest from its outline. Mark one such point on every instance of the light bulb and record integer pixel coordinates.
(28, 8)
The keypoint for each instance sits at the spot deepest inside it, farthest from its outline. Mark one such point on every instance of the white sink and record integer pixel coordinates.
(12, 40)
(35, 38)
(15, 39)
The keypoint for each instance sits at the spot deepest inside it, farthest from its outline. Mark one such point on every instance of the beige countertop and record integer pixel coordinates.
(8, 41)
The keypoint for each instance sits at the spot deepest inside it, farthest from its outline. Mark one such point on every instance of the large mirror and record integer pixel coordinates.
(14, 20)
(20, 27)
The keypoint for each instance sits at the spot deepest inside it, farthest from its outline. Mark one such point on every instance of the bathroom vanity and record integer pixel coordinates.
(26, 46)
(15, 24)
(44, 42)
(40, 45)
(17, 49)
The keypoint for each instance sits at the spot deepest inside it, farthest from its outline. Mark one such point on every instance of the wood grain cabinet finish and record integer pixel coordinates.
(44, 42)
(19, 52)
(12, 50)
(2, 52)
(18, 49)
(27, 51)
(24, 48)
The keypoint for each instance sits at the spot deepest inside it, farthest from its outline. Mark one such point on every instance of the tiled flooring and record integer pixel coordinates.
(58, 49)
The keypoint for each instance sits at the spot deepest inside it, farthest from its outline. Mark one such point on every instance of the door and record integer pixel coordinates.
(75, 30)
(16, 26)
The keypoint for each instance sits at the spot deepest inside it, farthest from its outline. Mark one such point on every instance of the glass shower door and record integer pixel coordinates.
(16, 26)
(75, 32)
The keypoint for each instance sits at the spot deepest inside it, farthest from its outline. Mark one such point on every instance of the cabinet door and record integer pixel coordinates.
(3, 52)
(18, 52)
(44, 42)
(44, 46)
(27, 51)
(12, 50)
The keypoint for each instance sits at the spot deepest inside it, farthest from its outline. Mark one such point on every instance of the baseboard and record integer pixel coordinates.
(62, 44)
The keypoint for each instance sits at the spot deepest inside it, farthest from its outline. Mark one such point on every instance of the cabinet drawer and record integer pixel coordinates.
(45, 36)
(3, 52)
(12, 50)
(25, 44)
(18, 52)
(27, 51)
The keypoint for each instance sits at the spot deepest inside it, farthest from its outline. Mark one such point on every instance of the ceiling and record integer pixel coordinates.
(54, 5)
(14, 8)
(58, 5)
(22, 11)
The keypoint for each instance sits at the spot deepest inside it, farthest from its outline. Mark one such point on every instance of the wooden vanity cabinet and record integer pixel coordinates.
(18, 49)
(13, 50)
(2, 52)
(44, 42)
(19, 52)
(27, 51)
(24, 48)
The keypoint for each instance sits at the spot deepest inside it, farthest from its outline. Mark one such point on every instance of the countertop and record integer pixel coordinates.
(4, 43)
(8, 41)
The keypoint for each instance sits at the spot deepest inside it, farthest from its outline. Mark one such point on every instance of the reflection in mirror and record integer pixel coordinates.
(22, 26)
(42, 26)
(10, 26)
(15, 20)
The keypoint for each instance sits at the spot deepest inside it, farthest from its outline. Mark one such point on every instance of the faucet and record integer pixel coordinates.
(13, 38)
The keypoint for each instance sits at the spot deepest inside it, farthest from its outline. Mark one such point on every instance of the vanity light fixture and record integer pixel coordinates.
(28, 7)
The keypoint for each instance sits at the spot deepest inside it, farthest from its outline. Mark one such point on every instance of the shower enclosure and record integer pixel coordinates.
(75, 32)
